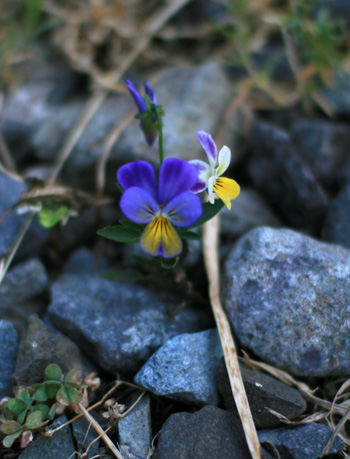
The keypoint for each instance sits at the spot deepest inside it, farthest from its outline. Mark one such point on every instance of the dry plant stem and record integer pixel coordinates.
(335, 433)
(101, 432)
(5, 156)
(210, 247)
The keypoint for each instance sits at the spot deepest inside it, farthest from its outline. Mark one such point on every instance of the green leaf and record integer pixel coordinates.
(10, 427)
(190, 236)
(51, 214)
(52, 412)
(26, 398)
(16, 406)
(119, 233)
(127, 275)
(41, 394)
(71, 376)
(209, 211)
(53, 373)
(169, 263)
(52, 389)
(44, 409)
(21, 417)
(67, 395)
(9, 440)
(34, 420)
(132, 225)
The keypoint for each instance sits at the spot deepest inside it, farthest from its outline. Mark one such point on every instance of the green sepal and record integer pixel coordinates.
(123, 275)
(169, 263)
(34, 420)
(10, 427)
(119, 233)
(209, 211)
(53, 373)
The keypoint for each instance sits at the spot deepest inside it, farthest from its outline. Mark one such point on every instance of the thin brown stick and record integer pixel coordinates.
(210, 248)
(101, 432)
(5, 156)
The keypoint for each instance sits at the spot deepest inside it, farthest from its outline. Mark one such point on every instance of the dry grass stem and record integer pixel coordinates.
(210, 243)
(5, 156)
(101, 432)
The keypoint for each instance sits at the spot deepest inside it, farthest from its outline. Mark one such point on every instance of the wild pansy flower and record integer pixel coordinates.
(148, 121)
(209, 175)
(160, 206)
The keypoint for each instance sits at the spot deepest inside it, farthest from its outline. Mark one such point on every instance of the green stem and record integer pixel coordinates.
(160, 138)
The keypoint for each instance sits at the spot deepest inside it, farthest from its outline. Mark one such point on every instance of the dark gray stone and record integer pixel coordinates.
(85, 436)
(248, 211)
(323, 146)
(8, 346)
(288, 298)
(41, 347)
(303, 442)
(24, 282)
(337, 94)
(185, 369)
(59, 446)
(84, 261)
(284, 179)
(264, 392)
(206, 434)
(336, 227)
(117, 325)
(135, 433)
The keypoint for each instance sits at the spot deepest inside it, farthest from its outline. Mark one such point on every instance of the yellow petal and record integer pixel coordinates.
(227, 189)
(160, 238)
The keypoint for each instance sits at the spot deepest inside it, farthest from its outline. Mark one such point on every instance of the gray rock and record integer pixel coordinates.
(117, 325)
(185, 369)
(288, 298)
(24, 282)
(10, 192)
(85, 437)
(336, 227)
(284, 179)
(248, 211)
(59, 446)
(8, 346)
(264, 392)
(303, 442)
(41, 347)
(135, 433)
(206, 434)
(322, 145)
(84, 261)
(337, 94)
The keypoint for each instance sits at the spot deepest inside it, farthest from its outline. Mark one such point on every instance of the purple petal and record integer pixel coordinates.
(139, 100)
(184, 209)
(140, 174)
(151, 93)
(175, 177)
(208, 145)
(138, 205)
(204, 171)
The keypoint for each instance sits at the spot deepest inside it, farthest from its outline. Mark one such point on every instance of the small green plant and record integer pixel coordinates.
(34, 407)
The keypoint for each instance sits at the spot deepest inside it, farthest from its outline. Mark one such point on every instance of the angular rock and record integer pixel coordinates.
(284, 179)
(247, 212)
(322, 145)
(8, 346)
(41, 347)
(288, 298)
(85, 437)
(185, 369)
(84, 261)
(135, 433)
(206, 434)
(336, 227)
(264, 392)
(117, 325)
(59, 446)
(303, 442)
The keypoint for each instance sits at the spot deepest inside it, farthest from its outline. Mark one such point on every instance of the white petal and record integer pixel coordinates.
(211, 183)
(224, 160)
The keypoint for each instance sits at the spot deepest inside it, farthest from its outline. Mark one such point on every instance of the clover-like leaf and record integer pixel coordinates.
(10, 427)
(21, 417)
(9, 440)
(68, 395)
(53, 373)
(71, 377)
(17, 406)
(41, 394)
(34, 420)
(52, 412)
(44, 409)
